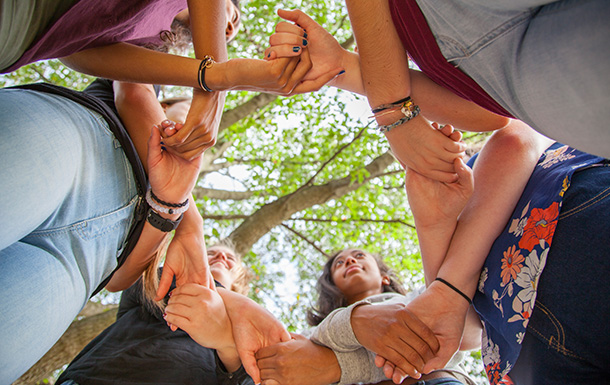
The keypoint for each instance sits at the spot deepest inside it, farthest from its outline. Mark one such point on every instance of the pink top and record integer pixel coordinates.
(418, 40)
(94, 23)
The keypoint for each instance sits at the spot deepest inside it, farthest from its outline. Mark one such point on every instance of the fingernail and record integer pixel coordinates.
(163, 148)
(296, 49)
(162, 143)
(164, 315)
(305, 35)
(304, 42)
(269, 55)
(342, 72)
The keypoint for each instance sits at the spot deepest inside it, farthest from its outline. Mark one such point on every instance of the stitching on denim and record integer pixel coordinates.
(554, 342)
(585, 205)
(79, 226)
(484, 41)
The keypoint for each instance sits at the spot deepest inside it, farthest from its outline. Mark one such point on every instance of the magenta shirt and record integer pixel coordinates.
(419, 42)
(94, 23)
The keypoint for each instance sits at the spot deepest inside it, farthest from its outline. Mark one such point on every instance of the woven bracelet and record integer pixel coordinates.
(409, 114)
(455, 289)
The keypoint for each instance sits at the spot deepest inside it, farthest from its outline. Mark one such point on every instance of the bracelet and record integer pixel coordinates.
(390, 105)
(152, 194)
(163, 224)
(455, 289)
(409, 110)
(205, 63)
(179, 210)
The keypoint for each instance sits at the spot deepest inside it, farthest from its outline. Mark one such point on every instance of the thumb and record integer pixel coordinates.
(154, 147)
(465, 175)
(297, 16)
(249, 362)
(164, 283)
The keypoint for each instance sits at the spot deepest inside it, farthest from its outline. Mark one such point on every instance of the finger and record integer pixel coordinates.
(430, 344)
(278, 39)
(283, 51)
(154, 146)
(313, 85)
(456, 136)
(265, 353)
(398, 377)
(164, 283)
(299, 17)
(379, 361)
(249, 363)
(289, 28)
(296, 336)
(465, 174)
(407, 359)
(177, 321)
(388, 369)
(303, 66)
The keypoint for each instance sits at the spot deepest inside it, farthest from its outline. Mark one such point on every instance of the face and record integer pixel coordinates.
(178, 111)
(222, 260)
(356, 274)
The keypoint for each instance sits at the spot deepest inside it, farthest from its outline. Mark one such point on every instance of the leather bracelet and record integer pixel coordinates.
(205, 63)
(163, 224)
(455, 289)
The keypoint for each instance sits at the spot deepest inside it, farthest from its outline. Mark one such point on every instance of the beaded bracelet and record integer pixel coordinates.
(410, 111)
(174, 209)
(207, 62)
(455, 289)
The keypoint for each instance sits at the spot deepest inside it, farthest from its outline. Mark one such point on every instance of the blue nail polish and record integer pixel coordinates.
(341, 73)
(163, 148)
(269, 55)
(305, 35)
(304, 42)
(296, 49)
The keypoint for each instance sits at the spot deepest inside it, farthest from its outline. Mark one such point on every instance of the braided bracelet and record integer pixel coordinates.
(175, 208)
(455, 289)
(411, 112)
(205, 63)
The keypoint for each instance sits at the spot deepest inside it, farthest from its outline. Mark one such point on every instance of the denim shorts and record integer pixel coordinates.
(546, 62)
(67, 197)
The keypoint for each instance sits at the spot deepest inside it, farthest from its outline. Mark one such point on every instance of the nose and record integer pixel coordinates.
(349, 260)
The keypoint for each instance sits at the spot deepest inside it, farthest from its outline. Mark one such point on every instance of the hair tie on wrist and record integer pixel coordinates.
(455, 289)
(170, 208)
(206, 62)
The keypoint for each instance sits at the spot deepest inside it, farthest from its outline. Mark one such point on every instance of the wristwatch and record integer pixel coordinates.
(163, 224)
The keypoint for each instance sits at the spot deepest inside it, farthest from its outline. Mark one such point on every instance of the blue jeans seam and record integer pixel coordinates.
(555, 343)
(585, 205)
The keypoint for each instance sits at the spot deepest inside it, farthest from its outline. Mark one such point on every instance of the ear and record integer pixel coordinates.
(385, 280)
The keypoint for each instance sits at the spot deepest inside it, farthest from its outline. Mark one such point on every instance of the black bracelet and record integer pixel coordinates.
(390, 105)
(455, 289)
(205, 63)
(167, 204)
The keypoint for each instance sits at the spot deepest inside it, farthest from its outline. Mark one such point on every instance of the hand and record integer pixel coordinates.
(253, 329)
(171, 177)
(298, 362)
(200, 130)
(419, 146)
(200, 311)
(186, 257)
(433, 202)
(326, 53)
(443, 311)
(395, 333)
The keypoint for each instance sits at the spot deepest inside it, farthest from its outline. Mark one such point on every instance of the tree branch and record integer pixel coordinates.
(306, 240)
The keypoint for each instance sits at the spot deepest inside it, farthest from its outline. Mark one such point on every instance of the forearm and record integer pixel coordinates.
(139, 110)
(229, 357)
(501, 173)
(208, 23)
(351, 80)
(383, 61)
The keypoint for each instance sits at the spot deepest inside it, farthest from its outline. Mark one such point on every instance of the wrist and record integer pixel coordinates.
(216, 77)
(230, 358)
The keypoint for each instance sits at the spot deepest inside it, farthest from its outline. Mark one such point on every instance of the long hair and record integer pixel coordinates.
(331, 298)
(150, 277)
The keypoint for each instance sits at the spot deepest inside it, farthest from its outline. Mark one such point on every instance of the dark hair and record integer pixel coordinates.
(331, 298)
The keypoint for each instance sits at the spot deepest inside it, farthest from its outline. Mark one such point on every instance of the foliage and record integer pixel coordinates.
(313, 139)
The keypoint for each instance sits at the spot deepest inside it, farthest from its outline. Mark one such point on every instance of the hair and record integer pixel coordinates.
(331, 298)
(150, 277)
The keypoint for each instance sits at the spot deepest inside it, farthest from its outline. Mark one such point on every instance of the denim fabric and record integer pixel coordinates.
(546, 65)
(67, 198)
(441, 381)
(568, 336)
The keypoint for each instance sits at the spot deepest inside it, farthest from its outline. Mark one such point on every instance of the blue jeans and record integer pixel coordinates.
(568, 336)
(546, 62)
(67, 201)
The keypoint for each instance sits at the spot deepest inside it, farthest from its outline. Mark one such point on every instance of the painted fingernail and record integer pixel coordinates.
(304, 42)
(296, 49)
(162, 143)
(342, 72)
(305, 35)
(163, 148)
(165, 315)
(269, 55)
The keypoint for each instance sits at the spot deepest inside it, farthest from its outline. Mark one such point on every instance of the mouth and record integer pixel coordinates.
(351, 269)
(221, 262)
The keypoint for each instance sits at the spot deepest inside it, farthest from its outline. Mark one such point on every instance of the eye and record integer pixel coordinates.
(339, 262)
(360, 255)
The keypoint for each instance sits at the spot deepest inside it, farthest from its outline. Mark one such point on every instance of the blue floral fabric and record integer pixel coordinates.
(506, 294)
